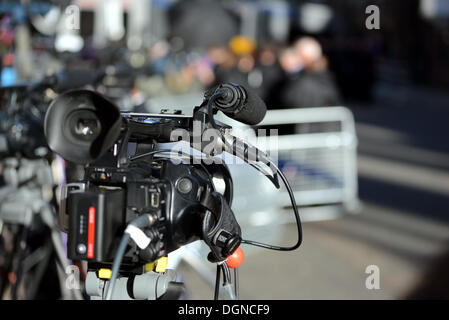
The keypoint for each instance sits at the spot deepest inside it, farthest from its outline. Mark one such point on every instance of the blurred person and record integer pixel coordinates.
(308, 83)
(218, 54)
(234, 63)
(204, 71)
(310, 54)
(290, 62)
(223, 62)
(158, 55)
(180, 79)
(291, 67)
(267, 71)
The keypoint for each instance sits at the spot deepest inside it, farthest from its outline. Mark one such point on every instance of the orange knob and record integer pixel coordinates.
(236, 259)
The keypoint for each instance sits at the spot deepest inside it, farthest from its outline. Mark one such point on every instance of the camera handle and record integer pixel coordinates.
(220, 229)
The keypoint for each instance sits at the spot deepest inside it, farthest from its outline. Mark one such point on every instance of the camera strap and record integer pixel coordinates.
(220, 229)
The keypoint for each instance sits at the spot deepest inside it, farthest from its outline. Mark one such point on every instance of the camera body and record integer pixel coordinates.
(96, 212)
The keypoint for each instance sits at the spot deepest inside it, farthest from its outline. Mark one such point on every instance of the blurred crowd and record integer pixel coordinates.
(285, 76)
(172, 47)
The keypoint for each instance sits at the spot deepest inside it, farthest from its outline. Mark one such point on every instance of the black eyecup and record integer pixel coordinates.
(59, 121)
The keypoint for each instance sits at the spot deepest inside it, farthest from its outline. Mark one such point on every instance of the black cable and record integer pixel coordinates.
(284, 179)
(226, 273)
(221, 267)
(140, 222)
(236, 283)
(217, 283)
(210, 110)
(116, 265)
(297, 217)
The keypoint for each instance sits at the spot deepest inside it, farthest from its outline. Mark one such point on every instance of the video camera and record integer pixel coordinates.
(161, 199)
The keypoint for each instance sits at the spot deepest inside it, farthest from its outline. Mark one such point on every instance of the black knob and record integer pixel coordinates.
(231, 245)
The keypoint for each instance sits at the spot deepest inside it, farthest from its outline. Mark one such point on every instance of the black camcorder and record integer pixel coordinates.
(177, 195)
(126, 176)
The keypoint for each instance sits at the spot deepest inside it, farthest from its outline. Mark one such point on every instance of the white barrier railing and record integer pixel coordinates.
(321, 165)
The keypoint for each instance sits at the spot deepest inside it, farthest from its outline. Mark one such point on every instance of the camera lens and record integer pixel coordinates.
(84, 126)
(87, 127)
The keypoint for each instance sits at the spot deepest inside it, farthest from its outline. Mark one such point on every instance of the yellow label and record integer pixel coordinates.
(149, 267)
(104, 273)
(161, 264)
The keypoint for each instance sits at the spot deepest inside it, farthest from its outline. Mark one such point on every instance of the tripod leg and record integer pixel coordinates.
(9, 257)
(63, 263)
(21, 256)
(38, 274)
(50, 220)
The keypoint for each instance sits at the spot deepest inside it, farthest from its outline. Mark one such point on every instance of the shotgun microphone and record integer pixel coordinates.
(240, 104)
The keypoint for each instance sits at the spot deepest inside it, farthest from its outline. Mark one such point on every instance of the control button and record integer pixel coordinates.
(184, 185)
(81, 248)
